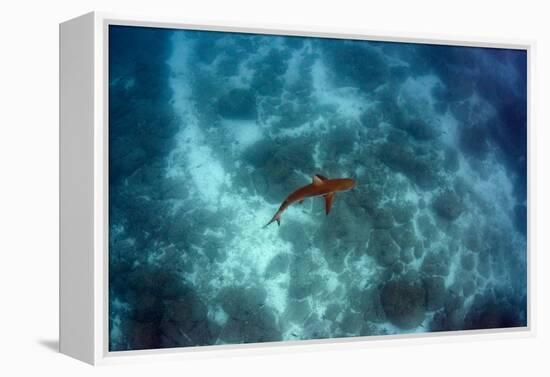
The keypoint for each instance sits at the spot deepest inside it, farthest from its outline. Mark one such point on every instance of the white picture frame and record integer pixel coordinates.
(84, 191)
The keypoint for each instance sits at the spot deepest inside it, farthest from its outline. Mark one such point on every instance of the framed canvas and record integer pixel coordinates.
(228, 188)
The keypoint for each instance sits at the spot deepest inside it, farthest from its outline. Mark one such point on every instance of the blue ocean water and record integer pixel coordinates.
(210, 131)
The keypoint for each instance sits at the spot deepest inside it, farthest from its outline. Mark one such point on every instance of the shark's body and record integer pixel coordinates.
(321, 186)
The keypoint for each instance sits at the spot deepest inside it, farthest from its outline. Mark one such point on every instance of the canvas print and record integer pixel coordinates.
(268, 188)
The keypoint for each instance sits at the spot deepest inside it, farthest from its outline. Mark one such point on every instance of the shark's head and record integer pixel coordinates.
(347, 184)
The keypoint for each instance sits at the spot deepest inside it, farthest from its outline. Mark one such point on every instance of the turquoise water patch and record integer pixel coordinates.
(209, 132)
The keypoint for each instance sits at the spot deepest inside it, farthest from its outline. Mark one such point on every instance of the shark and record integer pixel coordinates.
(320, 186)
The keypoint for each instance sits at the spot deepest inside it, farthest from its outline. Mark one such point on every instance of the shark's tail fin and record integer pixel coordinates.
(277, 218)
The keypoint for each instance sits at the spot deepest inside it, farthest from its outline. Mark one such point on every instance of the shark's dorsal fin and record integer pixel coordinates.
(318, 179)
(322, 177)
(329, 198)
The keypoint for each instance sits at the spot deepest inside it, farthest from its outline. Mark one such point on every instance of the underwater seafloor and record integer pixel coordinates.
(209, 132)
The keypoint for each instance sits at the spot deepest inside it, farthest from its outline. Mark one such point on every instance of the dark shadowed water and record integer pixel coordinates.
(209, 132)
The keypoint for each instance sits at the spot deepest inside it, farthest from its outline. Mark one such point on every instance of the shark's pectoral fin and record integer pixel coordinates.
(329, 198)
